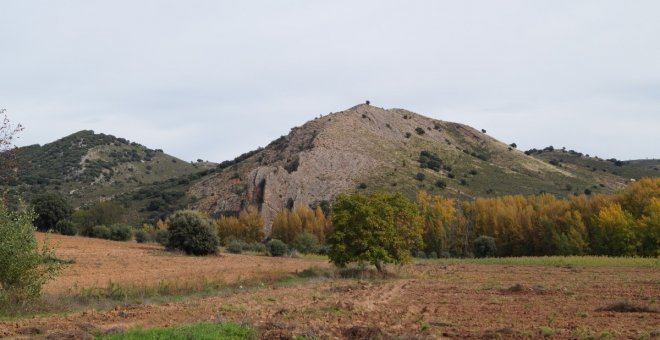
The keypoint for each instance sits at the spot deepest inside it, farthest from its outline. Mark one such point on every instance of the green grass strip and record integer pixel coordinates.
(557, 261)
(198, 331)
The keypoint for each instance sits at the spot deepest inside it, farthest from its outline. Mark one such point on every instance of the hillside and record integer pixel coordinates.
(367, 148)
(86, 167)
(364, 148)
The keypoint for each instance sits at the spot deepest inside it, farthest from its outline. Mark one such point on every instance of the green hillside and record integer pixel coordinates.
(86, 167)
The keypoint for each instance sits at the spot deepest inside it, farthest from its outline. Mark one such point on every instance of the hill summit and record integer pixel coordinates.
(367, 148)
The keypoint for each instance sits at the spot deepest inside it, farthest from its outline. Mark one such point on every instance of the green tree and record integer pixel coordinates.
(51, 208)
(192, 233)
(484, 246)
(24, 268)
(378, 229)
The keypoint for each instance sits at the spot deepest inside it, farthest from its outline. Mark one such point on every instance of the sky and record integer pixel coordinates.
(213, 79)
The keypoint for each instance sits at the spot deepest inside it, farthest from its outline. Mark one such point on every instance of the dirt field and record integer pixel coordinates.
(425, 301)
(97, 262)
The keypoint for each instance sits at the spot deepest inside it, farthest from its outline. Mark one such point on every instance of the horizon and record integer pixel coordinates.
(211, 80)
(153, 147)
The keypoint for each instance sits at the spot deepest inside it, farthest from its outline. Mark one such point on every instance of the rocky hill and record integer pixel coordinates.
(367, 148)
(86, 167)
(364, 148)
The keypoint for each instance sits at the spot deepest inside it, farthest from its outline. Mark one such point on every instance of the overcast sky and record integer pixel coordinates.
(214, 79)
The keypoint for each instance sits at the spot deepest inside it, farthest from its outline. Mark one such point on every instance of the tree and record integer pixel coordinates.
(253, 224)
(51, 208)
(484, 246)
(616, 232)
(378, 229)
(8, 133)
(24, 268)
(192, 233)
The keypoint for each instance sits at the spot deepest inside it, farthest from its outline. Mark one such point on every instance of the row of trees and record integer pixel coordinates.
(623, 224)
(387, 228)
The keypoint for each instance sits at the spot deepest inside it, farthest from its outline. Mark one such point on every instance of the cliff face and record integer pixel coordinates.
(377, 149)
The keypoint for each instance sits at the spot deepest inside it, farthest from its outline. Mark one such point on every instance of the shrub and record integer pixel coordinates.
(236, 247)
(277, 248)
(66, 227)
(100, 231)
(463, 181)
(408, 134)
(441, 184)
(24, 268)
(142, 236)
(484, 246)
(451, 175)
(120, 232)
(420, 176)
(306, 243)
(162, 237)
(191, 233)
(50, 208)
(433, 255)
(420, 131)
(362, 186)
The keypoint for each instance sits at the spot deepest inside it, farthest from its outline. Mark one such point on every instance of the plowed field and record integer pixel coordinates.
(425, 301)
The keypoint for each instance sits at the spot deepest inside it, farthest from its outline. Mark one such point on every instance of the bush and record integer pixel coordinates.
(162, 237)
(50, 208)
(441, 184)
(191, 233)
(277, 248)
(433, 255)
(24, 269)
(120, 232)
(420, 131)
(420, 176)
(142, 236)
(306, 243)
(100, 231)
(236, 247)
(484, 246)
(66, 227)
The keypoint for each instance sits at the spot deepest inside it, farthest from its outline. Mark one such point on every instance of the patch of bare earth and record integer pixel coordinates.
(428, 301)
(97, 262)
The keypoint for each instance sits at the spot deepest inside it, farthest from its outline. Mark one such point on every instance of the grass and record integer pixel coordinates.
(199, 331)
(163, 291)
(555, 261)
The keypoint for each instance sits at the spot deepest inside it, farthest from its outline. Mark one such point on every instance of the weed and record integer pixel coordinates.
(205, 330)
(546, 332)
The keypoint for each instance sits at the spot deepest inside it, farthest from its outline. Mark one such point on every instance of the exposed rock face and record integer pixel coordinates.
(312, 164)
(381, 148)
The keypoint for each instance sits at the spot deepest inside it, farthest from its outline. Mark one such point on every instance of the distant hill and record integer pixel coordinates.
(364, 149)
(367, 148)
(87, 167)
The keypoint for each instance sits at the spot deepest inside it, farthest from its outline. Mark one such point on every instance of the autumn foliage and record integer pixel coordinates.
(623, 224)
